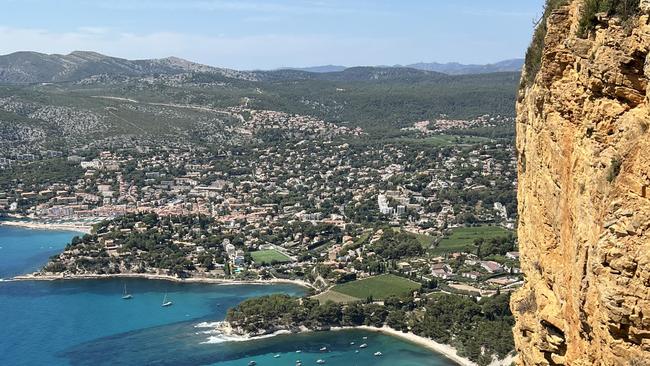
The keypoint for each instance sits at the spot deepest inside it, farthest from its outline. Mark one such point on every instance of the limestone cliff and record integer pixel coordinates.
(583, 141)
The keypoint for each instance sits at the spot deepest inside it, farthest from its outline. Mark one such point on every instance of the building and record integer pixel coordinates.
(491, 266)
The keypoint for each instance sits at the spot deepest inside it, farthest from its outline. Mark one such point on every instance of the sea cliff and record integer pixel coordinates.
(583, 190)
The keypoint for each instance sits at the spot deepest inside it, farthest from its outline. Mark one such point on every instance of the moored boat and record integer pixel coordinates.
(126, 295)
(166, 302)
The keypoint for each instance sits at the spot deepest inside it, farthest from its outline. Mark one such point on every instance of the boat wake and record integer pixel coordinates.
(218, 333)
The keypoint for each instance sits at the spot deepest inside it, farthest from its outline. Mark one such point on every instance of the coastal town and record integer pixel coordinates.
(377, 222)
(329, 210)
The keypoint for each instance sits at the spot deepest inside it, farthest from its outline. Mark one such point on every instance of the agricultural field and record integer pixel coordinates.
(269, 256)
(379, 287)
(462, 238)
(337, 297)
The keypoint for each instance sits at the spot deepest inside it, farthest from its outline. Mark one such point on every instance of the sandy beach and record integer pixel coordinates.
(68, 226)
(221, 281)
(224, 333)
(444, 349)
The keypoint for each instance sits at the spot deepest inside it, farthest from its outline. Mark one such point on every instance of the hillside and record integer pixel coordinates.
(33, 67)
(89, 96)
(582, 141)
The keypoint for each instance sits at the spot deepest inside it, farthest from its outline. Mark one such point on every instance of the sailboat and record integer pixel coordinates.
(126, 295)
(166, 302)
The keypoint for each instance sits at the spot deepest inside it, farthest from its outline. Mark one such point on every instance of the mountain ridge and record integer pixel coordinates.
(450, 68)
(28, 67)
(24, 67)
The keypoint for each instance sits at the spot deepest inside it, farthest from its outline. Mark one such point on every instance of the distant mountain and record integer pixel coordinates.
(34, 67)
(454, 68)
(369, 73)
(318, 69)
(353, 74)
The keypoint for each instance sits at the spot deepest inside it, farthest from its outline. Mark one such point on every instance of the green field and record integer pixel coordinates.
(269, 256)
(462, 238)
(424, 240)
(337, 297)
(379, 287)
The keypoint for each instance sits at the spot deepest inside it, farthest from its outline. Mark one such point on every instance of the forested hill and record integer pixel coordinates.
(88, 95)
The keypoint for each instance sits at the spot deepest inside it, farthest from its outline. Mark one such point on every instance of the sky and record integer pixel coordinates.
(268, 34)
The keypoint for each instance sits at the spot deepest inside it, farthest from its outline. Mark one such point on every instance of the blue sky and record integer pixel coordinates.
(252, 34)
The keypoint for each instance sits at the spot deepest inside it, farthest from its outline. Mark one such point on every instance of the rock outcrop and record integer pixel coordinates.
(583, 140)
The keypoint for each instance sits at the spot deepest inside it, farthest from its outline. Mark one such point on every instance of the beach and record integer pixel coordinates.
(78, 226)
(443, 349)
(222, 281)
(224, 333)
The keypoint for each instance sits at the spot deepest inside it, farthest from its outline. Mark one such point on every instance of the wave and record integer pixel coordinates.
(217, 335)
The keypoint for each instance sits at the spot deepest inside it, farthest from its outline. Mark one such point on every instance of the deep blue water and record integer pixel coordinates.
(88, 323)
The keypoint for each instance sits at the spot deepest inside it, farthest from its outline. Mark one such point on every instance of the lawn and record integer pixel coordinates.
(268, 256)
(379, 287)
(462, 238)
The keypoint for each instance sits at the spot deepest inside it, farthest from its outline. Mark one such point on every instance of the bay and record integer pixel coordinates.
(86, 322)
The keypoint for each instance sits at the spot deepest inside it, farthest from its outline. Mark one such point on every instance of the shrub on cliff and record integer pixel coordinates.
(536, 48)
(625, 9)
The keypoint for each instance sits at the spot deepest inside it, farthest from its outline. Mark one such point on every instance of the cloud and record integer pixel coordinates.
(244, 52)
(295, 7)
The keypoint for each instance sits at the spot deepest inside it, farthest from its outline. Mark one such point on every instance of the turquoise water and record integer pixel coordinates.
(88, 323)
(26, 250)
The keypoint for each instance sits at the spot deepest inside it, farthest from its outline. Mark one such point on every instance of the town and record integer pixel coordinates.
(307, 200)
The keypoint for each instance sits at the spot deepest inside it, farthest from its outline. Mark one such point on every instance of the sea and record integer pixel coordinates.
(86, 322)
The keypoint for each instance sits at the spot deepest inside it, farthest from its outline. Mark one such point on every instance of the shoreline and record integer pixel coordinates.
(222, 332)
(443, 349)
(146, 276)
(72, 226)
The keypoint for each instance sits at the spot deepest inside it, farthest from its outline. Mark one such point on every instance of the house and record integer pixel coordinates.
(491, 266)
(404, 266)
(441, 273)
(441, 270)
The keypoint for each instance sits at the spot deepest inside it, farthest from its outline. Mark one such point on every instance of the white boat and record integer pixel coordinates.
(126, 295)
(320, 361)
(365, 337)
(298, 351)
(168, 303)
(363, 346)
(323, 349)
(252, 363)
(351, 343)
(377, 353)
(276, 356)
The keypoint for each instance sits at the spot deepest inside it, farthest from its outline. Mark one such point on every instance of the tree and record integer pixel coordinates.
(396, 319)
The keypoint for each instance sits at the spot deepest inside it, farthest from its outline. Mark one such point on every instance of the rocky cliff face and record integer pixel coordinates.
(583, 140)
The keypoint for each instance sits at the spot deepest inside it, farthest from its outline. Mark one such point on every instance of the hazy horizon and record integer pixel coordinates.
(249, 35)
